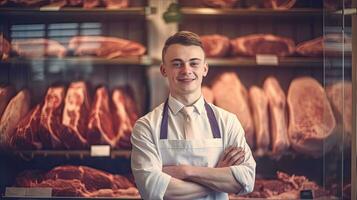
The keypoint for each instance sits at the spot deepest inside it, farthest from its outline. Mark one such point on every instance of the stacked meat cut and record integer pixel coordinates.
(97, 46)
(79, 181)
(66, 119)
(284, 187)
(87, 4)
(330, 44)
(106, 47)
(254, 44)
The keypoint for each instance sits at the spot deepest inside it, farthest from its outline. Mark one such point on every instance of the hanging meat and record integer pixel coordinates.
(75, 115)
(215, 45)
(105, 47)
(17, 108)
(311, 122)
(278, 116)
(51, 127)
(231, 95)
(123, 125)
(26, 134)
(79, 181)
(254, 44)
(34, 48)
(208, 94)
(100, 126)
(6, 93)
(340, 97)
(279, 4)
(4, 48)
(259, 104)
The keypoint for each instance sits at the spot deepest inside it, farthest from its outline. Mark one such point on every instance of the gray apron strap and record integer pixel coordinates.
(210, 114)
(164, 123)
(212, 121)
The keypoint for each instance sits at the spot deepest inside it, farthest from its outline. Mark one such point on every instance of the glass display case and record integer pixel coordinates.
(65, 61)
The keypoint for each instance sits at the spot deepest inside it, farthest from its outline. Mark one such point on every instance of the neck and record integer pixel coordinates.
(187, 100)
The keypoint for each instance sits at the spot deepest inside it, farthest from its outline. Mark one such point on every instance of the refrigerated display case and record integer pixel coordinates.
(328, 172)
(43, 63)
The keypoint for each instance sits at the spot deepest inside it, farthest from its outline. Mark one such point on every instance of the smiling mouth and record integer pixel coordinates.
(186, 79)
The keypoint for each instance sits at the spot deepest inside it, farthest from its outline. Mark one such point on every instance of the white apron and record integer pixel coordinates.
(200, 152)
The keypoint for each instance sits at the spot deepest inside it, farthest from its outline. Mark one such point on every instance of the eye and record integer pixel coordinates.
(176, 64)
(195, 64)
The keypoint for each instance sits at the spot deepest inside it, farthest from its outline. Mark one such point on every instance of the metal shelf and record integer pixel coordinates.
(234, 12)
(285, 62)
(74, 13)
(142, 61)
(28, 155)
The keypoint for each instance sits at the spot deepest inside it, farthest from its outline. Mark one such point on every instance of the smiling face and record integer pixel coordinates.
(184, 66)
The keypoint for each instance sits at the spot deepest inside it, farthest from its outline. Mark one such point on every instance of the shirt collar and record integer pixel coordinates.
(175, 105)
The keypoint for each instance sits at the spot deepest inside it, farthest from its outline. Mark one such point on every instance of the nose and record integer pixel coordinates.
(186, 68)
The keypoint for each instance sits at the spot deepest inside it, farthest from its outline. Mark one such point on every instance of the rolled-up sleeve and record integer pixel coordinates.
(146, 164)
(245, 172)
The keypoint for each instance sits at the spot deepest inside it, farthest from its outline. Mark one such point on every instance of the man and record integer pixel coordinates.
(186, 148)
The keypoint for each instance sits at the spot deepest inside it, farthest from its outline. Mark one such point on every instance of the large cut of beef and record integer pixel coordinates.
(122, 122)
(79, 181)
(17, 108)
(208, 94)
(75, 115)
(215, 45)
(311, 122)
(91, 3)
(116, 4)
(105, 47)
(100, 125)
(330, 44)
(33, 48)
(6, 93)
(231, 95)
(284, 187)
(219, 3)
(279, 4)
(26, 134)
(254, 44)
(51, 127)
(4, 48)
(259, 104)
(278, 116)
(340, 97)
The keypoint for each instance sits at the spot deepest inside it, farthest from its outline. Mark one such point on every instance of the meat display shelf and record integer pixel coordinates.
(286, 62)
(77, 198)
(143, 61)
(233, 12)
(74, 13)
(28, 155)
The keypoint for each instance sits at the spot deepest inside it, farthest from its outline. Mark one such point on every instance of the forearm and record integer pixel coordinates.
(218, 179)
(179, 189)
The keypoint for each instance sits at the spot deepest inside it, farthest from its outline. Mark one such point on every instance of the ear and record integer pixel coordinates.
(163, 70)
(205, 69)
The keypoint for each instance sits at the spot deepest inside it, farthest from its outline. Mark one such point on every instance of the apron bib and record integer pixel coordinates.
(199, 152)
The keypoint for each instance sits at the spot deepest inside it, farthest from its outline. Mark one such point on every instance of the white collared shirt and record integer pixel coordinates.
(146, 160)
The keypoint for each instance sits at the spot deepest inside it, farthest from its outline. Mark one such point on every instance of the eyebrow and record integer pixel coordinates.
(180, 60)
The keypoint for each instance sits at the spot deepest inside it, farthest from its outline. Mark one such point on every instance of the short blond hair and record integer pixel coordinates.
(186, 38)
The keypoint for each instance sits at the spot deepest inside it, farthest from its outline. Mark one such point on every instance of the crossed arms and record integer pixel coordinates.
(190, 182)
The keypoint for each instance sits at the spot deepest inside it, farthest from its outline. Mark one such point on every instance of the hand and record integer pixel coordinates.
(179, 172)
(231, 156)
